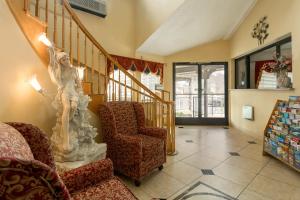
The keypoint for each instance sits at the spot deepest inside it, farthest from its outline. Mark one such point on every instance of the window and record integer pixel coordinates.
(114, 88)
(251, 72)
(149, 80)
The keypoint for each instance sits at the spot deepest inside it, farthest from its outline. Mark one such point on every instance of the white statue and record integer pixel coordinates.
(73, 136)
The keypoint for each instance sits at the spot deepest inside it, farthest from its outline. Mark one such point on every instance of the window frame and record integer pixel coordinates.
(247, 60)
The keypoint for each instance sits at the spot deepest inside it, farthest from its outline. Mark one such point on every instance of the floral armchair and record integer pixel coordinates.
(27, 170)
(134, 149)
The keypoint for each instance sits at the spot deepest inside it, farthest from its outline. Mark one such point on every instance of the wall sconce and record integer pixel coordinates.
(43, 38)
(80, 71)
(34, 83)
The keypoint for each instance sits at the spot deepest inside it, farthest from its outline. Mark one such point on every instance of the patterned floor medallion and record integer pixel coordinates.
(201, 190)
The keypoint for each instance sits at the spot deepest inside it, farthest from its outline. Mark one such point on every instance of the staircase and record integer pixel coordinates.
(57, 19)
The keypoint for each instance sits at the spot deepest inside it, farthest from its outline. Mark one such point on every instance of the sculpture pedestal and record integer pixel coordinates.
(66, 166)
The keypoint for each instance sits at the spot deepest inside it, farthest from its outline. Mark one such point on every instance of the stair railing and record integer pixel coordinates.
(68, 33)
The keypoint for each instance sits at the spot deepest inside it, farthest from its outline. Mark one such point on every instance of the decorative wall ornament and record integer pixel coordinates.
(73, 136)
(260, 30)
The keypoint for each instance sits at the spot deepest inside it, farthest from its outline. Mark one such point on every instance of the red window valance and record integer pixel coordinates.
(134, 64)
(259, 65)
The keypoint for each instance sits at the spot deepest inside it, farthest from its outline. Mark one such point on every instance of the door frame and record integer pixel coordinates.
(200, 120)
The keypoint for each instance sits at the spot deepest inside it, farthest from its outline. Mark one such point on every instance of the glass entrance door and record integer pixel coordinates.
(187, 103)
(200, 93)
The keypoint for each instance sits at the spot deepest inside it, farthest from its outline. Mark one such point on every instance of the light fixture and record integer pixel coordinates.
(80, 71)
(43, 38)
(35, 84)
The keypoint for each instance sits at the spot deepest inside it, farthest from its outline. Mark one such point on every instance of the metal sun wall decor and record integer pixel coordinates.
(260, 30)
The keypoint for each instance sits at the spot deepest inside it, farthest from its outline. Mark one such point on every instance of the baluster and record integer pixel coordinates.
(26, 3)
(149, 111)
(93, 69)
(168, 128)
(46, 16)
(99, 59)
(114, 84)
(131, 95)
(144, 105)
(71, 46)
(158, 114)
(37, 8)
(98, 88)
(119, 84)
(85, 61)
(163, 113)
(154, 115)
(106, 78)
(63, 26)
(55, 23)
(78, 47)
(125, 83)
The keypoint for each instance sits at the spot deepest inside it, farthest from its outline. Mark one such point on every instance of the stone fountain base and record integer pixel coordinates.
(98, 154)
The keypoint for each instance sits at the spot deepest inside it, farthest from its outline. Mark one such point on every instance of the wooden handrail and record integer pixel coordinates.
(96, 43)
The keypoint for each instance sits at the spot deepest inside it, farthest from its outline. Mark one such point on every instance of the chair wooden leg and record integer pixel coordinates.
(160, 167)
(137, 183)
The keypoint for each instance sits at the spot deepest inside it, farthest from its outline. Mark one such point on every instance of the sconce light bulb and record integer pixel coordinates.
(43, 38)
(35, 84)
(80, 71)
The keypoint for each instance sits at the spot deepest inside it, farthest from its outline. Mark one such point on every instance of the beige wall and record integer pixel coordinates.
(283, 17)
(116, 32)
(150, 14)
(217, 51)
(19, 102)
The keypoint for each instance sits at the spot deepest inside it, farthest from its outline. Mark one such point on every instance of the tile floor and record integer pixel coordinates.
(249, 176)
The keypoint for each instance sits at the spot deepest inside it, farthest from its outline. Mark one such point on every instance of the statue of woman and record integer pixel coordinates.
(73, 136)
(65, 76)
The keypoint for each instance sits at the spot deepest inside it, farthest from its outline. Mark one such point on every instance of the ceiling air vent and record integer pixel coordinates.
(95, 7)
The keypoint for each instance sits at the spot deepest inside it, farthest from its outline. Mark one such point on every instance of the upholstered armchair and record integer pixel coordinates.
(27, 171)
(134, 148)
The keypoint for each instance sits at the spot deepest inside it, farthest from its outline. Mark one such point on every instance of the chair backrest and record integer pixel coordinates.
(13, 144)
(17, 163)
(125, 117)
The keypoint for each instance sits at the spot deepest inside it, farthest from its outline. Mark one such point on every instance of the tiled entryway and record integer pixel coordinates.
(248, 176)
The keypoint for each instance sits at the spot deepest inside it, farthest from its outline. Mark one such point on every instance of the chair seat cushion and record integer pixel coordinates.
(111, 189)
(152, 147)
(13, 144)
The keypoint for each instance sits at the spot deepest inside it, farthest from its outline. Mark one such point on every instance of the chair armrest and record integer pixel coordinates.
(88, 175)
(128, 149)
(154, 132)
(30, 180)
(38, 142)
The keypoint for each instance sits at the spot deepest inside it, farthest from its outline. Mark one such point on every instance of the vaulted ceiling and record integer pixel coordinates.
(197, 22)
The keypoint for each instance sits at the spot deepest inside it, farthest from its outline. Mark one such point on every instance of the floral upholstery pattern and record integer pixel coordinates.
(20, 179)
(88, 175)
(133, 155)
(151, 147)
(109, 189)
(37, 179)
(125, 118)
(12, 144)
(38, 142)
